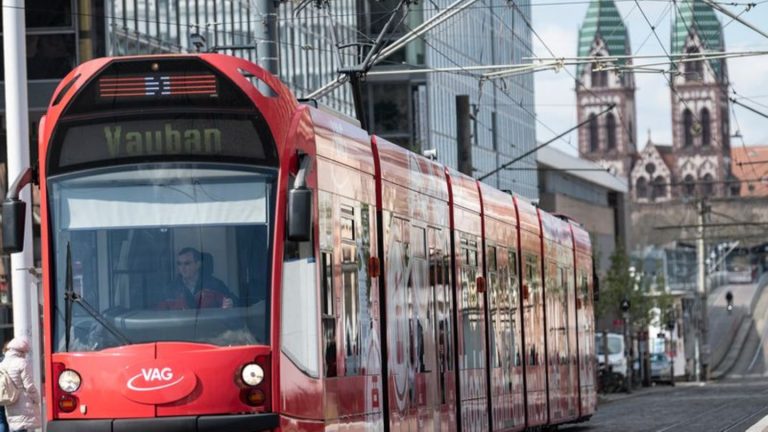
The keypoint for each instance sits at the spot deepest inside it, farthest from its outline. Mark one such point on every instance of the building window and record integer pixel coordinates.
(689, 186)
(706, 131)
(693, 69)
(641, 188)
(593, 134)
(708, 188)
(687, 128)
(610, 130)
(735, 188)
(659, 187)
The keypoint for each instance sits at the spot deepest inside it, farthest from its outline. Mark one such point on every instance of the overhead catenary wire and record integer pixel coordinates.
(540, 146)
(424, 27)
(252, 21)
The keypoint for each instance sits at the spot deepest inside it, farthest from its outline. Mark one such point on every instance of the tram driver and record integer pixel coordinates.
(194, 285)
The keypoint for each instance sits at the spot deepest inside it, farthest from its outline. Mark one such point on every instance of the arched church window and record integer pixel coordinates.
(641, 188)
(687, 128)
(599, 74)
(708, 188)
(593, 134)
(706, 131)
(659, 187)
(610, 130)
(689, 186)
(693, 69)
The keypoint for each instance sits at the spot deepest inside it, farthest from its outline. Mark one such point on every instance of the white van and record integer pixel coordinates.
(617, 362)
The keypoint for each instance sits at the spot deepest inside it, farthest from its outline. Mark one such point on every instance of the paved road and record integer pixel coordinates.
(748, 356)
(728, 406)
(723, 325)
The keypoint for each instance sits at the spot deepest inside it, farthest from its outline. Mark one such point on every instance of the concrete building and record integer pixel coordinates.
(587, 193)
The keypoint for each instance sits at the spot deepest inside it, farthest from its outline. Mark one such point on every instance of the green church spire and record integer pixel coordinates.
(696, 17)
(603, 19)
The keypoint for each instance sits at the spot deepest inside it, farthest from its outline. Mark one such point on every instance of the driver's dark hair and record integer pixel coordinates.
(190, 250)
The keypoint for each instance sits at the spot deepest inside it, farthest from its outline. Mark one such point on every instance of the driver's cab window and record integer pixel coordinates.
(168, 253)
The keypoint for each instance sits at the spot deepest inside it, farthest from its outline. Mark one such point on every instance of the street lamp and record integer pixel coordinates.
(624, 306)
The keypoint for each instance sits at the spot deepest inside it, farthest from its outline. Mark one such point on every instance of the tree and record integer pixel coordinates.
(645, 293)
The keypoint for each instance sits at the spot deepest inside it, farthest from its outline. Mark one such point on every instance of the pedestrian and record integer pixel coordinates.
(24, 414)
(3, 420)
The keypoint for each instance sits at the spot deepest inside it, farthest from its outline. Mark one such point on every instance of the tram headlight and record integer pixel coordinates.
(69, 381)
(252, 374)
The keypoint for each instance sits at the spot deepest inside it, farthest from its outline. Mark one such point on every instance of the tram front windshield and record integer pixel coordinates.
(162, 252)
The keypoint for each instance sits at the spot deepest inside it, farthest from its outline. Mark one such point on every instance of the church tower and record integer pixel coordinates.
(699, 90)
(608, 139)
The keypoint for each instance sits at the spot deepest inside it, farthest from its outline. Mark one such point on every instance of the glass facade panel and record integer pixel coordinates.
(307, 55)
(49, 56)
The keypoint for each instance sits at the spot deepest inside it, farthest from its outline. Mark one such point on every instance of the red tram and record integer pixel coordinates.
(218, 256)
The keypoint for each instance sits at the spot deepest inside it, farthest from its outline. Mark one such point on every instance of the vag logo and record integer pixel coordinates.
(150, 379)
(157, 381)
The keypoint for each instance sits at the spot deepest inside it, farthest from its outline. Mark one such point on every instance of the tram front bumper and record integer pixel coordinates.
(229, 423)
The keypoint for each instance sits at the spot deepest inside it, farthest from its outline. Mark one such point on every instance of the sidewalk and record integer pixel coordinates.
(606, 398)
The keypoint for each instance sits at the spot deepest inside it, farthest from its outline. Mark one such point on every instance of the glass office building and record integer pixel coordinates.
(307, 58)
(417, 110)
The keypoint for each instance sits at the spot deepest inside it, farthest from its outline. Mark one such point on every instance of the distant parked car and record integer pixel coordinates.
(661, 368)
(741, 270)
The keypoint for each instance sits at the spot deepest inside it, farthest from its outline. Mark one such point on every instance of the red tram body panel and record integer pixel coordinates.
(417, 299)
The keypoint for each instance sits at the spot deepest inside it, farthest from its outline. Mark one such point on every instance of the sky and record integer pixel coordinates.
(558, 22)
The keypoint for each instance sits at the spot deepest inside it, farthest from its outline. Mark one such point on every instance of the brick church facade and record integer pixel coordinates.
(698, 161)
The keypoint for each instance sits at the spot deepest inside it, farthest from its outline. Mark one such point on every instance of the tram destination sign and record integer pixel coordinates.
(173, 137)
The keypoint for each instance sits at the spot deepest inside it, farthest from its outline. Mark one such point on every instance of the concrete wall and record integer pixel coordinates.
(728, 216)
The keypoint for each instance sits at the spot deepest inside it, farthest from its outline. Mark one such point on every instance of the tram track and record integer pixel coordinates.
(732, 425)
(745, 418)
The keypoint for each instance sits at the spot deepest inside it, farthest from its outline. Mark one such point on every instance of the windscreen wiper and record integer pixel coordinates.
(70, 296)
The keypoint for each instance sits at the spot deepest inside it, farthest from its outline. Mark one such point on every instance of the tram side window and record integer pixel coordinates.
(328, 315)
(495, 305)
(351, 313)
(422, 349)
(564, 317)
(583, 289)
(532, 274)
(531, 279)
(513, 304)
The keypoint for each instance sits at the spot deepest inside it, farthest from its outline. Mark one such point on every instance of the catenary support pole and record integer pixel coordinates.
(463, 135)
(266, 35)
(701, 284)
(17, 132)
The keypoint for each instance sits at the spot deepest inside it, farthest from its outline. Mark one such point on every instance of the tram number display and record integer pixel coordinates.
(125, 139)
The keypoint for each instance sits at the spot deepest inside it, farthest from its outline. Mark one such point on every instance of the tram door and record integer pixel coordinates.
(442, 311)
(414, 370)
